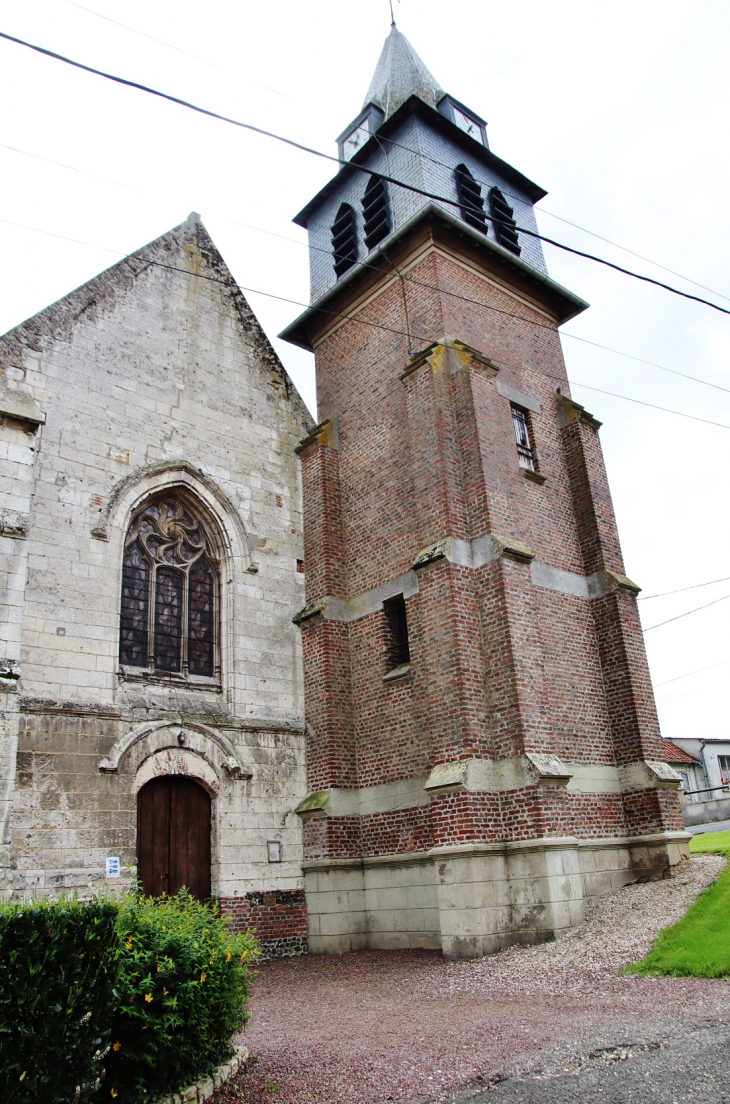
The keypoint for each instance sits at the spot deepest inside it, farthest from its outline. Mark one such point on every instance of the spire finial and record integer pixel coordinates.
(392, 17)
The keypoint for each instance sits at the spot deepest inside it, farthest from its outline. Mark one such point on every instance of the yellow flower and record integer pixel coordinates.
(202, 978)
(128, 945)
(117, 1046)
(148, 998)
(114, 1092)
(158, 969)
(165, 991)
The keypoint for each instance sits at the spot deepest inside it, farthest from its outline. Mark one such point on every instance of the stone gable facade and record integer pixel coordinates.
(153, 379)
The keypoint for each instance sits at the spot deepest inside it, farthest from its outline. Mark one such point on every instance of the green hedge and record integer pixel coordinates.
(57, 969)
(183, 983)
(126, 1002)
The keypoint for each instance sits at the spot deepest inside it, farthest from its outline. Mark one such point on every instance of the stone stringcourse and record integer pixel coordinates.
(206, 1086)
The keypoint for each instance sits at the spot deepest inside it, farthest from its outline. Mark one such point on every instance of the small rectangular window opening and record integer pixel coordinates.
(723, 761)
(525, 448)
(396, 631)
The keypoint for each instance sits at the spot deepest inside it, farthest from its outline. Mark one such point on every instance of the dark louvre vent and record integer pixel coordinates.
(344, 240)
(470, 199)
(375, 211)
(504, 225)
(397, 631)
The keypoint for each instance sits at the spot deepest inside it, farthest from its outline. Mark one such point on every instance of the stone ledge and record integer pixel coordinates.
(206, 1086)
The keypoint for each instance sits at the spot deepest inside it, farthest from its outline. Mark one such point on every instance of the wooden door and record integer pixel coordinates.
(173, 837)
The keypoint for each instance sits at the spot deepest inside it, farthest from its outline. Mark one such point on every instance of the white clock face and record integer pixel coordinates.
(468, 125)
(355, 141)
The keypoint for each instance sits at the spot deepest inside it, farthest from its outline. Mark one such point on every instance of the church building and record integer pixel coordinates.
(376, 682)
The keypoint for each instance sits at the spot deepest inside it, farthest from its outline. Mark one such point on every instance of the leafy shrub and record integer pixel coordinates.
(57, 968)
(182, 987)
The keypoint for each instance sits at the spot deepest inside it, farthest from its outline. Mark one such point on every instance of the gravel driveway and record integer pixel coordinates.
(407, 1026)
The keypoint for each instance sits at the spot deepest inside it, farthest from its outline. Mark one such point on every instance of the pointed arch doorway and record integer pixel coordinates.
(173, 837)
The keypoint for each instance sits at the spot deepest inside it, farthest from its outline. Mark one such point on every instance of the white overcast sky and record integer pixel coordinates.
(620, 110)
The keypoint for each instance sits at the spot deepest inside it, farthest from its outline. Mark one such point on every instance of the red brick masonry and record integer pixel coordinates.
(279, 919)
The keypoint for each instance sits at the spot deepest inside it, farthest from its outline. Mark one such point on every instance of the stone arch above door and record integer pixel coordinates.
(151, 740)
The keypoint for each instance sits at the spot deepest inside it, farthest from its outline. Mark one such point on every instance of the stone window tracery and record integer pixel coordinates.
(170, 592)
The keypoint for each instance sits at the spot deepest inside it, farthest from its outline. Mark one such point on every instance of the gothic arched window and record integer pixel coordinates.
(470, 199)
(505, 227)
(344, 239)
(375, 212)
(170, 591)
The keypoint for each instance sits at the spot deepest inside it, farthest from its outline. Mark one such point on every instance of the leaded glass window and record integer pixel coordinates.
(170, 583)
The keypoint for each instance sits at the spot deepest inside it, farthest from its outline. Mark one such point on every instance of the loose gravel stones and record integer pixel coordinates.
(407, 1026)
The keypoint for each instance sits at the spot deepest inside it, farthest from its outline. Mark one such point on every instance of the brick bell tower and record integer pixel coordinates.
(483, 749)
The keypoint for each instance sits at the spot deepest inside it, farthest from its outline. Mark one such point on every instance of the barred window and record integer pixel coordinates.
(525, 448)
(170, 591)
(396, 632)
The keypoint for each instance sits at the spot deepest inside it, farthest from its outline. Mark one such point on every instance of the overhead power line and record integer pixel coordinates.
(688, 612)
(328, 157)
(687, 674)
(544, 211)
(682, 590)
(169, 45)
(360, 321)
(418, 153)
(408, 279)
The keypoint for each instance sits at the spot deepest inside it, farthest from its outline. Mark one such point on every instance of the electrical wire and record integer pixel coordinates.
(364, 264)
(688, 612)
(143, 34)
(418, 153)
(544, 211)
(169, 45)
(682, 590)
(563, 379)
(391, 329)
(328, 157)
(687, 674)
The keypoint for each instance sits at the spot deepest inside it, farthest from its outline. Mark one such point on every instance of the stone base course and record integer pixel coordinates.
(476, 899)
(204, 1089)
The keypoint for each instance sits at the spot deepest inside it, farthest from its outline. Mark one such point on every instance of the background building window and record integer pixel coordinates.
(170, 592)
(523, 437)
(396, 632)
(723, 762)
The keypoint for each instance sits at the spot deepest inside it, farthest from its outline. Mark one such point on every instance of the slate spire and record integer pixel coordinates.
(400, 73)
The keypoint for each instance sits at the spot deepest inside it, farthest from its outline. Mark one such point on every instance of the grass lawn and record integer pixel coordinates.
(699, 945)
(710, 841)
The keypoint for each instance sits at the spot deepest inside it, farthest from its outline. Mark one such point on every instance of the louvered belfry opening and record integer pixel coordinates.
(375, 211)
(344, 240)
(470, 199)
(504, 225)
